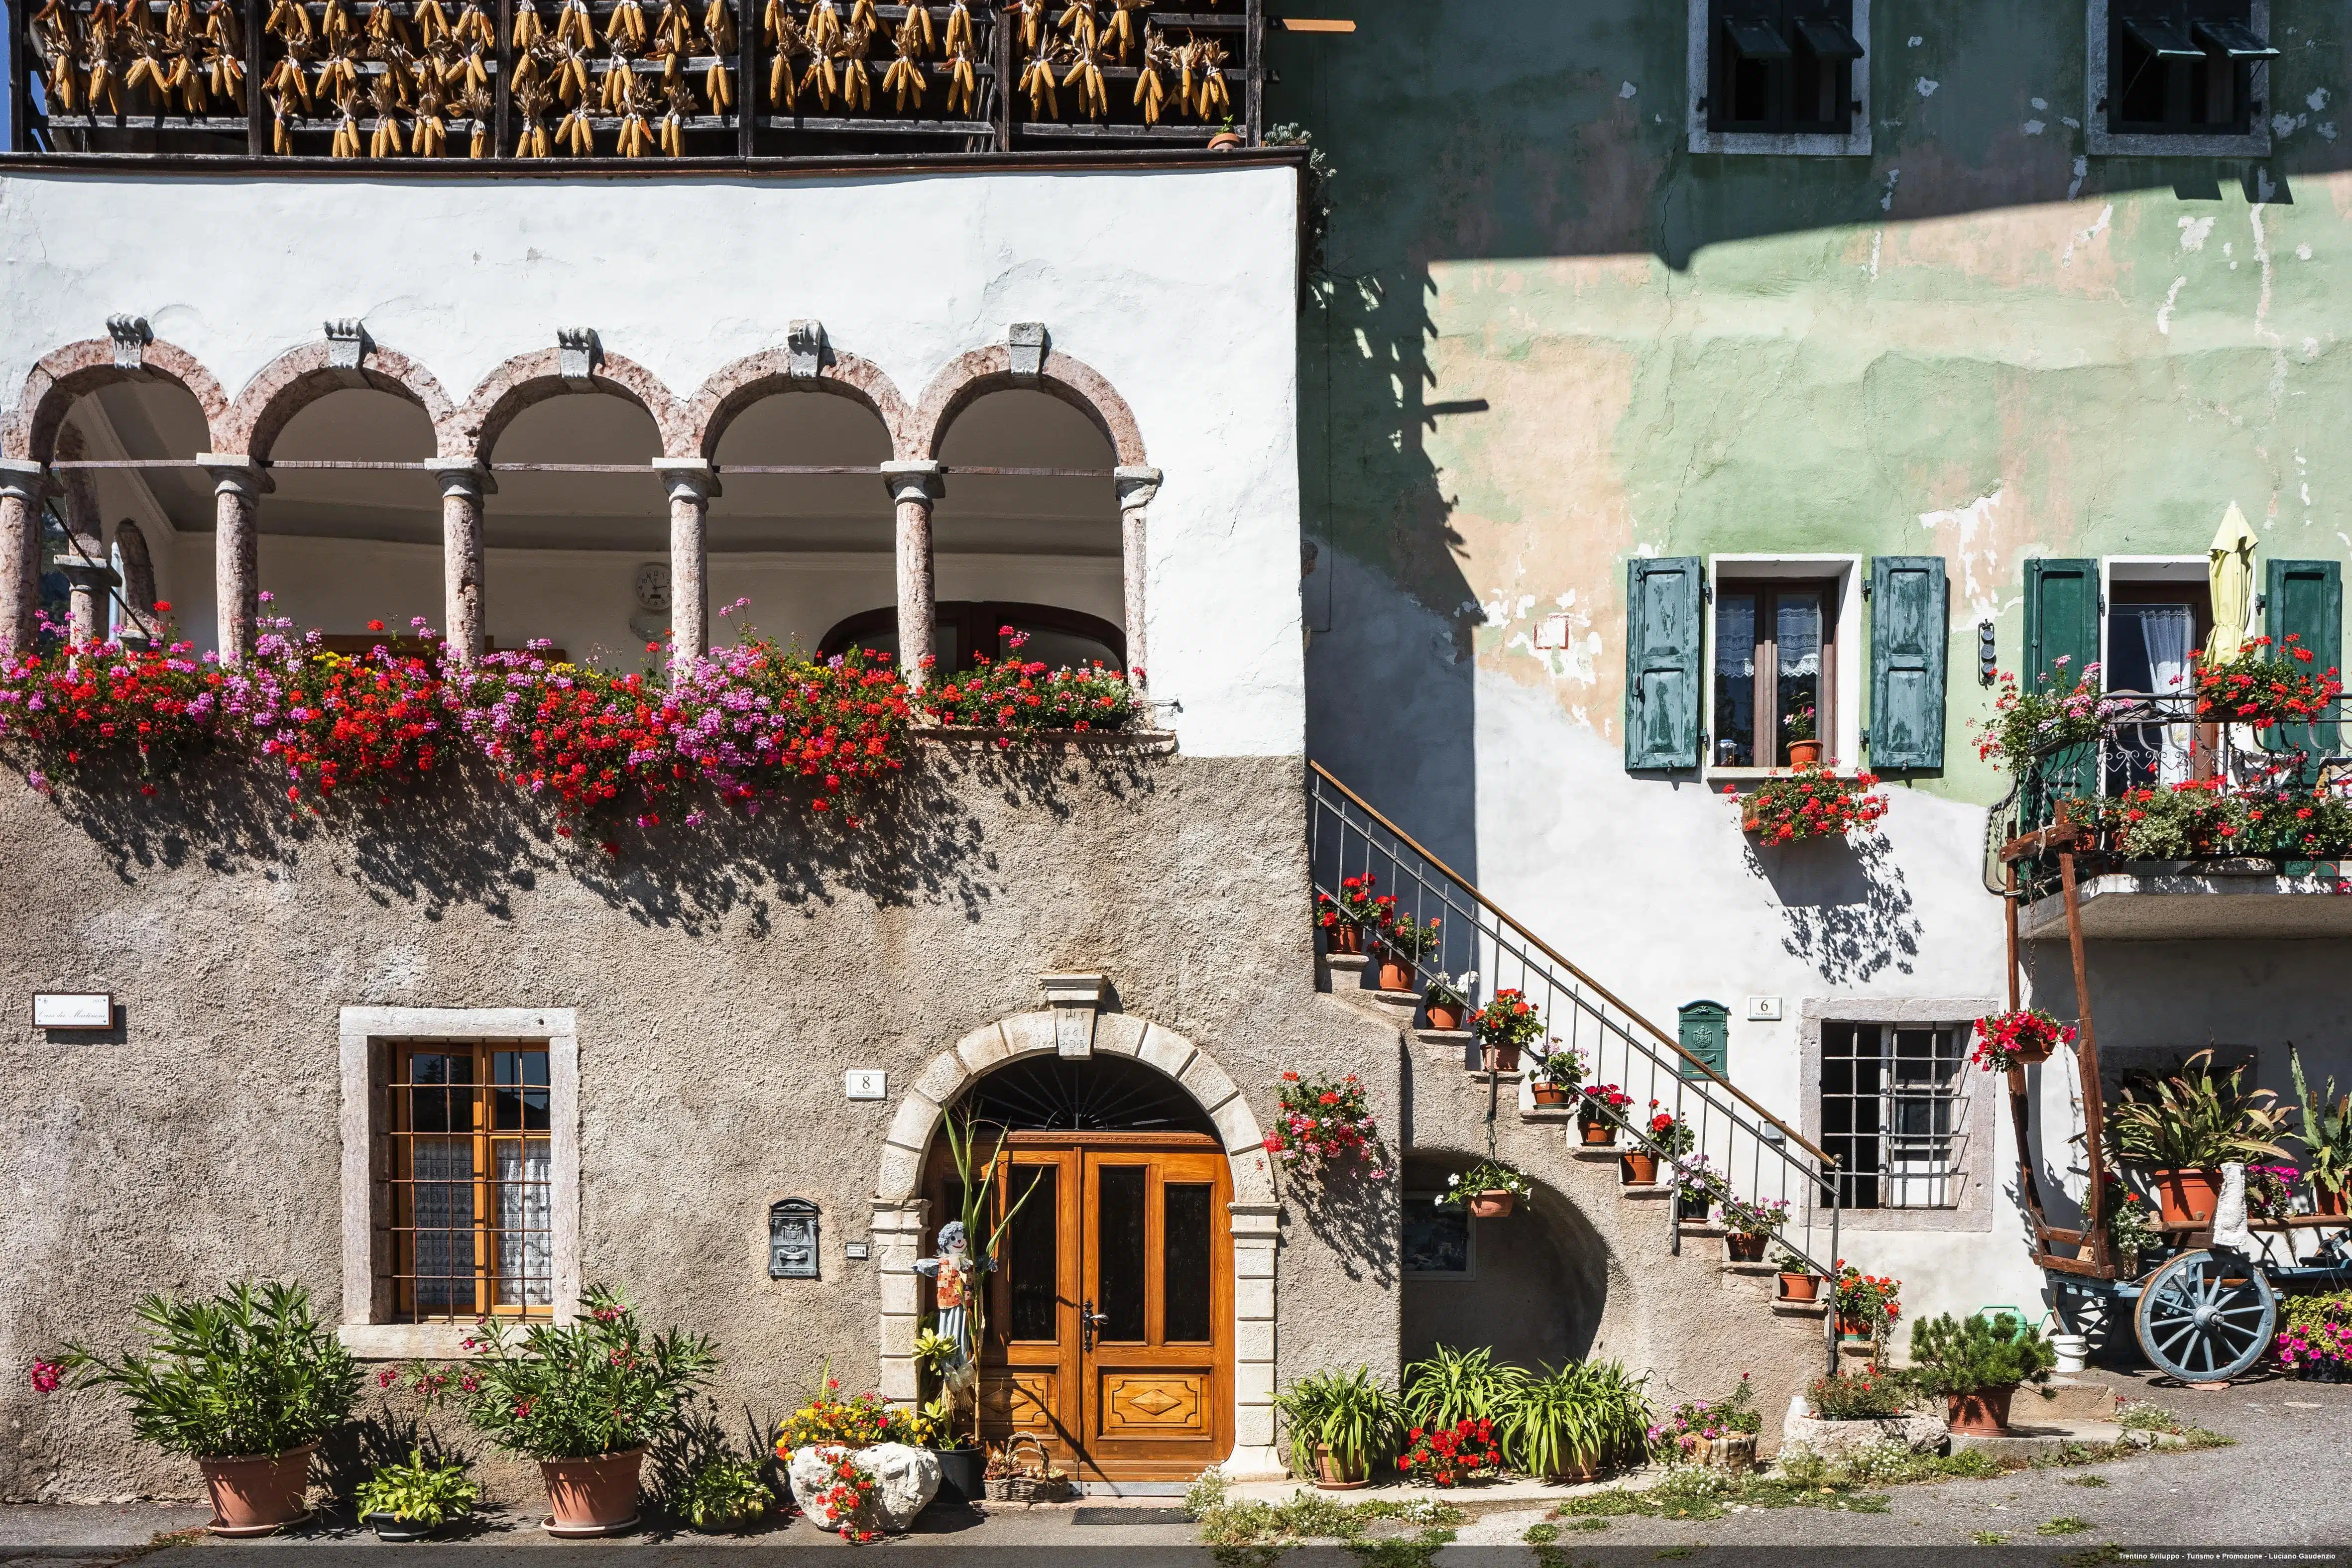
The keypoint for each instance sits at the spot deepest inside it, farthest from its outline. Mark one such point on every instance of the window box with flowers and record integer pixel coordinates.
(1325, 1125)
(1747, 1226)
(2050, 716)
(1488, 1190)
(1556, 1075)
(1600, 1113)
(1447, 999)
(1811, 803)
(1014, 697)
(1505, 1025)
(2010, 1040)
(1401, 947)
(2264, 683)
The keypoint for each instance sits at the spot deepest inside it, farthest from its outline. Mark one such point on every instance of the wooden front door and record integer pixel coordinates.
(1110, 1321)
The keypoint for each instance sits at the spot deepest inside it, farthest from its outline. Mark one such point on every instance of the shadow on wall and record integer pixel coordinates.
(1531, 1285)
(1846, 905)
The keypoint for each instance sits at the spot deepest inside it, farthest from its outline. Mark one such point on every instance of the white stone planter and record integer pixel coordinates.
(905, 1480)
(1919, 1432)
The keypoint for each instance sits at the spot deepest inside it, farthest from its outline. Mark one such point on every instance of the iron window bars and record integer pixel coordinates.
(471, 1222)
(1893, 1115)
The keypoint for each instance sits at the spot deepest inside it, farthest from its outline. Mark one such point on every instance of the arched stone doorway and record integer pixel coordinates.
(1128, 1400)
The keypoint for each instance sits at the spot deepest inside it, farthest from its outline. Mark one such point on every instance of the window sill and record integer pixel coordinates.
(1140, 742)
(405, 1342)
(1734, 779)
(2255, 143)
(1781, 145)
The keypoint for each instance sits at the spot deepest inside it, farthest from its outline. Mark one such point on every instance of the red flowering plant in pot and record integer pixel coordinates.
(2015, 1038)
(761, 724)
(335, 722)
(1401, 945)
(66, 708)
(1811, 803)
(2264, 683)
(1664, 1136)
(1867, 1304)
(1448, 1456)
(1359, 908)
(1599, 1114)
(1327, 1124)
(1508, 1023)
(1024, 697)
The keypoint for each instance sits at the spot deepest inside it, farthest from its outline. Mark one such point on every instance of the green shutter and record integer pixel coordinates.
(1908, 637)
(1704, 1030)
(2061, 622)
(1663, 616)
(2306, 597)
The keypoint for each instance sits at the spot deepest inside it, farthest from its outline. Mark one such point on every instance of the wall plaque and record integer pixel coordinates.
(791, 1239)
(56, 1009)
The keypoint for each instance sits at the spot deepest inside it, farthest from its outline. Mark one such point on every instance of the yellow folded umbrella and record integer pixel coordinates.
(2229, 573)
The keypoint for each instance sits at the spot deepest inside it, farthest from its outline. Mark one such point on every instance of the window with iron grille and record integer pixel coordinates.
(472, 1224)
(1893, 1111)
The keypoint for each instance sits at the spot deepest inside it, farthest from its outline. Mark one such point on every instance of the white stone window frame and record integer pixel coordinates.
(368, 1035)
(1980, 1092)
(1847, 679)
(1699, 82)
(2101, 142)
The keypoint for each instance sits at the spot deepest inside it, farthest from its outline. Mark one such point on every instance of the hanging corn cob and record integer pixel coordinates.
(1151, 77)
(338, 77)
(187, 78)
(105, 48)
(1033, 25)
(786, 44)
(432, 21)
(719, 27)
(823, 76)
(385, 141)
(920, 14)
(824, 26)
(1086, 74)
(718, 85)
(1079, 23)
(856, 82)
(59, 49)
(862, 17)
(625, 27)
(964, 81)
(224, 27)
(1125, 29)
(281, 130)
(674, 28)
(148, 70)
(575, 135)
(904, 79)
(224, 72)
(616, 84)
(287, 80)
(531, 103)
(679, 104)
(574, 25)
(335, 27)
(346, 144)
(475, 108)
(959, 28)
(637, 137)
(568, 68)
(1210, 98)
(527, 29)
(291, 20)
(386, 27)
(474, 25)
(1037, 82)
(431, 130)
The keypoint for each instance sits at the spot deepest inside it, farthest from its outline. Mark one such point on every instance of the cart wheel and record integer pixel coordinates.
(2206, 1317)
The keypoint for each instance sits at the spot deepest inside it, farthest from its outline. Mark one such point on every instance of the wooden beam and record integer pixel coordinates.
(2041, 842)
(2082, 1266)
(1312, 25)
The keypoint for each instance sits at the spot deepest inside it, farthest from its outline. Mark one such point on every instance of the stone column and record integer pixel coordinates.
(84, 560)
(1137, 486)
(238, 484)
(22, 486)
(915, 486)
(1256, 1231)
(897, 1232)
(464, 483)
(692, 484)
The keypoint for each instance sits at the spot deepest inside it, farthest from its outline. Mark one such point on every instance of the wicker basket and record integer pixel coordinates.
(1022, 1471)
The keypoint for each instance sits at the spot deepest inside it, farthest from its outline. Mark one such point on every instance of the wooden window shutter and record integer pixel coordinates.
(1665, 613)
(2306, 598)
(2061, 619)
(1908, 633)
(1704, 1030)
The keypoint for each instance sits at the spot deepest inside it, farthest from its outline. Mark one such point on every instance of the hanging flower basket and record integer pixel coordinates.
(2016, 1038)
(1488, 1190)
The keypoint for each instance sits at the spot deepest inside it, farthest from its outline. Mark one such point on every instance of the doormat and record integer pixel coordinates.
(1086, 1516)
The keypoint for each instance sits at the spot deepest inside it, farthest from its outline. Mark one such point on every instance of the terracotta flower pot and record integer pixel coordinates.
(1801, 1287)
(1985, 1413)
(1346, 938)
(2185, 1195)
(2330, 1200)
(253, 1495)
(1750, 1249)
(2030, 1051)
(1445, 1014)
(1491, 1205)
(1805, 753)
(593, 1497)
(1550, 1094)
(1331, 1476)
(1396, 973)
(1499, 1057)
(1596, 1132)
(1223, 140)
(1640, 1169)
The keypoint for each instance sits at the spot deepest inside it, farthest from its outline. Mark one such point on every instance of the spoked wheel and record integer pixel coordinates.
(2206, 1317)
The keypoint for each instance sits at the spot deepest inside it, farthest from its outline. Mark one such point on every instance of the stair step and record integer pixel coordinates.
(1593, 1155)
(1629, 1190)
(1755, 1270)
(1348, 963)
(1443, 1035)
(1553, 1113)
(1782, 1309)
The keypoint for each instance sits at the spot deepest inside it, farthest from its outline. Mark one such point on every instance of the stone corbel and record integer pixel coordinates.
(348, 347)
(1028, 341)
(1075, 1000)
(577, 354)
(132, 335)
(804, 347)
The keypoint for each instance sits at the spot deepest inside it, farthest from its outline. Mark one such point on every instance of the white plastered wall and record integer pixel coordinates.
(1178, 285)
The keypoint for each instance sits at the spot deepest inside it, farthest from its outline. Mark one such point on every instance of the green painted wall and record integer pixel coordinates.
(1548, 335)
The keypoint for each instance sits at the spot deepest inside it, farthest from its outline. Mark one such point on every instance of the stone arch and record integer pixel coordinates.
(473, 431)
(972, 376)
(78, 369)
(300, 377)
(899, 1209)
(769, 373)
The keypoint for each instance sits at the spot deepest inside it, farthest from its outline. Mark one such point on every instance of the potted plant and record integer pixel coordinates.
(1447, 1455)
(245, 1383)
(1747, 1227)
(1597, 1116)
(1869, 1395)
(1488, 1190)
(2015, 1038)
(2181, 1129)
(586, 1399)
(1695, 1186)
(725, 1494)
(1339, 1425)
(1804, 746)
(2264, 683)
(2314, 1337)
(1401, 947)
(411, 1500)
(1507, 1022)
(1327, 1124)
(1344, 919)
(1797, 1280)
(1448, 998)
(1570, 1423)
(1811, 803)
(1867, 1304)
(2129, 1231)
(1720, 1434)
(1977, 1365)
(1557, 1074)
(2326, 1136)
(835, 1449)
(1663, 1137)
(2060, 710)
(1450, 1386)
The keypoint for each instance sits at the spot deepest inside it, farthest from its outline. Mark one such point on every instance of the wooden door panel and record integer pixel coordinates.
(1157, 1406)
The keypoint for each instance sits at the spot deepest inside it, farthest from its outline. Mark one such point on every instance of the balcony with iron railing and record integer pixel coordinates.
(2178, 827)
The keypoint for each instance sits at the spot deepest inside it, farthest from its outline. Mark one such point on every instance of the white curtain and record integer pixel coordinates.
(441, 1206)
(526, 1225)
(2168, 632)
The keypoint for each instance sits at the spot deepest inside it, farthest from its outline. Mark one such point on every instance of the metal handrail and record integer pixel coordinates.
(1347, 835)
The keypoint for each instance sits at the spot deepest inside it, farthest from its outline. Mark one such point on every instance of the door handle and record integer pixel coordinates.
(1090, 1324)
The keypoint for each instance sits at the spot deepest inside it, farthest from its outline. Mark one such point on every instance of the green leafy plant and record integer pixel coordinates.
(1798, 723)
(1350, 1414)
(1408, 943)
(597, 1386)
(416, 1492)
(1977, 1355)
(1582, 1416)
(1451, 1387)
(2195, 1118)
(249, 1372)
(1487, 1175)
(2326, 1130)
(726, 1491)
(2051, 715)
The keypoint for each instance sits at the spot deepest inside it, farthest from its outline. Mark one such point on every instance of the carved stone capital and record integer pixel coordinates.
(462, 476)
(1137, 486)
(923, 480)
(687, 478)
(234, 472)
(24, 481)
